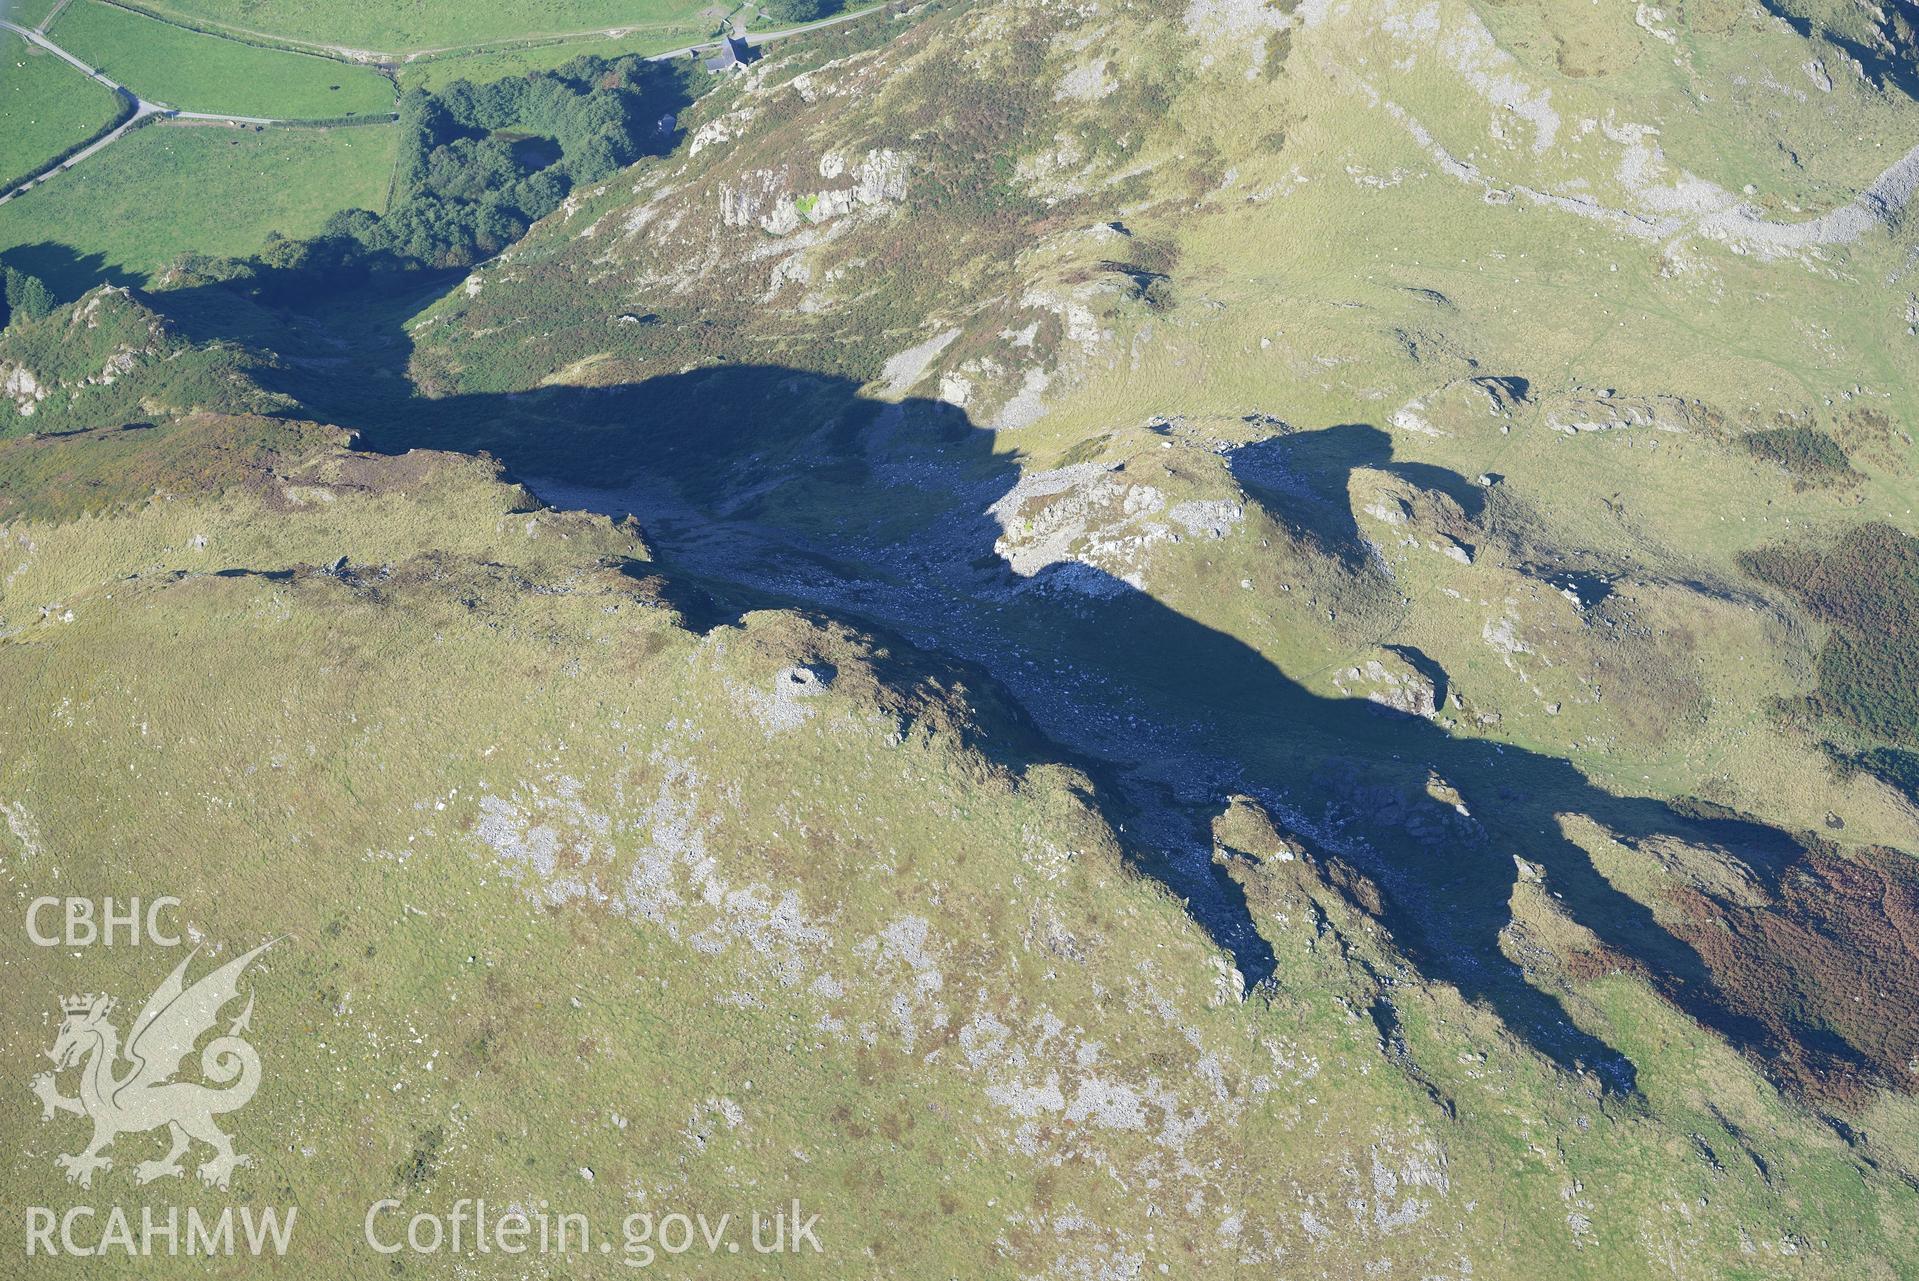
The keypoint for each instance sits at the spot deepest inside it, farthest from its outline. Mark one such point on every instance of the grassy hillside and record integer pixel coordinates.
(1114, 276)
(1103, 641)
(49, 108)
(164, 63)
(927, 982)
(165, 190)
(1314, 414)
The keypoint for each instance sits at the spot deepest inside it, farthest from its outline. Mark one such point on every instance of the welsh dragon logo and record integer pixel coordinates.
(144, 1096)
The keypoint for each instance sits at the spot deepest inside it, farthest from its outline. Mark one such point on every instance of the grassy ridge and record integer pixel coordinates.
(48, 107)
(452, 1010)
(204, 73)
(164, 191)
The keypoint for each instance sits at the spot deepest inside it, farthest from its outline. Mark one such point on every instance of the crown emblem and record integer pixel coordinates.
(78, 1004)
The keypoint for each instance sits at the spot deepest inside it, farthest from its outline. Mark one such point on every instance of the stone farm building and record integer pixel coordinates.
(733, 54)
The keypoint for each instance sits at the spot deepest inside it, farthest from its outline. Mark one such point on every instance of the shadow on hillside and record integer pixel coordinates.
(770, 484)
(1304, 474)
(1892, 68)
(67, 272)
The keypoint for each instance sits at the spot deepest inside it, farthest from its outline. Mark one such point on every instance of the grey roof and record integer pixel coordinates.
(733, 52)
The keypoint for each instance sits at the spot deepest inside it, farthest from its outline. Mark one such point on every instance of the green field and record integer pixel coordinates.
(47, 106)
(167, 190)
(195, 72)
(431, 24)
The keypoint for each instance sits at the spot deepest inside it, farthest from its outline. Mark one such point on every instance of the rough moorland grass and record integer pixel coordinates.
(1867, 590)
(48, 107)
(429, 24)
(166, 190)
(130, 464)
(196, 72)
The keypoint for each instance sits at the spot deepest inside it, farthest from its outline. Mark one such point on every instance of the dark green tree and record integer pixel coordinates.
(28, 297)
(799, 10)
(479, 163)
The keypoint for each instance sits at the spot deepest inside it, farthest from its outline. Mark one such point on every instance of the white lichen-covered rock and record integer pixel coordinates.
(21, 387)
(1087, 83)
(1088, 513)
(121, 362)
(1237, 33)
(1502, 634)
(722, 130)
(784, 705)
(1584, 409)
(1096, 526)
(744, 200)
(879, 179)
(1391, 682)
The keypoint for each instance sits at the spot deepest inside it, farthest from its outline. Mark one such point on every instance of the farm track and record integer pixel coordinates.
(53, 13)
